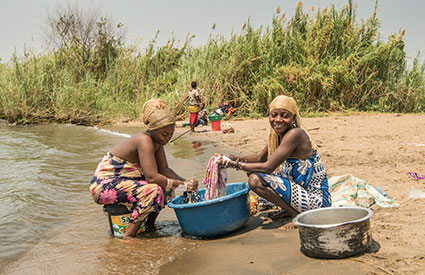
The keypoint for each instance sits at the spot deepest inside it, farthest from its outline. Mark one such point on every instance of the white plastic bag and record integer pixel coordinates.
(416, 194)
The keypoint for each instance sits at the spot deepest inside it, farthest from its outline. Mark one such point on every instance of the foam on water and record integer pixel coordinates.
(112, 132)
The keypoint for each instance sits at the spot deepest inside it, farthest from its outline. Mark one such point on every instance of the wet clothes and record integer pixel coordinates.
(117, 181)
(215, 179)
(303, 184)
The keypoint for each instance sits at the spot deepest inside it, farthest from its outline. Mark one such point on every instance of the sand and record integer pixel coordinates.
(378, 148)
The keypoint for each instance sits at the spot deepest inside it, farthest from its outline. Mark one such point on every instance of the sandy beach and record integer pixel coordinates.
(377, 148)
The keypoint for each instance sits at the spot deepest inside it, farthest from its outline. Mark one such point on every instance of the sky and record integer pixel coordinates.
(22, 21)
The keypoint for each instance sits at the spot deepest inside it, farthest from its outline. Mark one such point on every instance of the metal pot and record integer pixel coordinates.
(334, 232)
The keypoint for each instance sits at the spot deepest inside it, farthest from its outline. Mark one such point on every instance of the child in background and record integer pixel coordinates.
(194, 106)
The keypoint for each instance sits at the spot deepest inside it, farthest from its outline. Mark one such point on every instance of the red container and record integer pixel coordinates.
(216, 125)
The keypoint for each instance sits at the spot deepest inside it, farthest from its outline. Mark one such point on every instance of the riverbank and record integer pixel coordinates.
(378, 148)
(335, 66)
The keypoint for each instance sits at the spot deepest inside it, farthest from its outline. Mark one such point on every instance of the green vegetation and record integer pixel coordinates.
(325, 59)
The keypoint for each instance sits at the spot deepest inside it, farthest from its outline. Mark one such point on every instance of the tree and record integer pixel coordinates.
(90, 37)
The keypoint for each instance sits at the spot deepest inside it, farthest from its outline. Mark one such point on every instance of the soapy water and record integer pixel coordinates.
(215, 182)
(192, 197)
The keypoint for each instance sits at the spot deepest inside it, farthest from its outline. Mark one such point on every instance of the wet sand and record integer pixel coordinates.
(378, 148)
(84, 247)
(259, 248)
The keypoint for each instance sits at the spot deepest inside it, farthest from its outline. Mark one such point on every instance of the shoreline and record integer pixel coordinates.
(378, 148)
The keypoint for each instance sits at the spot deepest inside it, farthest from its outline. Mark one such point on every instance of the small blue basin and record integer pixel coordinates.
(214, 217)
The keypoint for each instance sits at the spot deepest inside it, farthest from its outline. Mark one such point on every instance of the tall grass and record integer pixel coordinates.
(326, 59)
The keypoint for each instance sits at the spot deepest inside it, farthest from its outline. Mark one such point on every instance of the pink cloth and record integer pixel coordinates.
(417, 176)
(215, 179)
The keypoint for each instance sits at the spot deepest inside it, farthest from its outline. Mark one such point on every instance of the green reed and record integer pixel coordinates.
(326, 59)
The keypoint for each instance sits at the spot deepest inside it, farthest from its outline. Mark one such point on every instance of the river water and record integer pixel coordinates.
(48, 220)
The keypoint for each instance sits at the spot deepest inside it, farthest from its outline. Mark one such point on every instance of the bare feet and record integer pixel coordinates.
(150, 228)
(288, 226)
(277, 215)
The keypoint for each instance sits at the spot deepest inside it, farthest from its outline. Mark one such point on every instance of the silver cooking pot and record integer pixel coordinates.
(334, 232)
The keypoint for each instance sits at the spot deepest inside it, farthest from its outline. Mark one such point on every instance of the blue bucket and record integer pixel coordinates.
(214, 217)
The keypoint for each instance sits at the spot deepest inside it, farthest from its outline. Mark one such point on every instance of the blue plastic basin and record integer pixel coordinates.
(214, 217)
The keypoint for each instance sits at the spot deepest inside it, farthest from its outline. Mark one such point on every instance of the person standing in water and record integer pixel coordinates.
(194, 106)
(288, 171)
(136, 173)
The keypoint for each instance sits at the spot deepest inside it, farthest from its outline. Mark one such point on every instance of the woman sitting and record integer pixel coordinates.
(136, 173)
(203, 116)
(288, 171)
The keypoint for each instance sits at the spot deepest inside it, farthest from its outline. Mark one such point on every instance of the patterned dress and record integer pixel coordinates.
(303, 184)
(117, 181)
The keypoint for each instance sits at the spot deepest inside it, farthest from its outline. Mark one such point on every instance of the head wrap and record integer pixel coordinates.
(287, 103)
(156, 114)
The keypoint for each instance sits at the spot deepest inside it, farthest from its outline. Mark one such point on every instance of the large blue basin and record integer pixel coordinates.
(214, 217)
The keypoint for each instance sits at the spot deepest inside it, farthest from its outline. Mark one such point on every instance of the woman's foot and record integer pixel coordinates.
(150, 228)
(288, 226)
(277, 215)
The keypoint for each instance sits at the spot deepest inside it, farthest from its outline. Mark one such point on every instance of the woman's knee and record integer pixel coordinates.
(254, 182)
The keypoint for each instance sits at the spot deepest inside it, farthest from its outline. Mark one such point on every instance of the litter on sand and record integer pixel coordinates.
(416, 176)
(416, 194)
(416, 144)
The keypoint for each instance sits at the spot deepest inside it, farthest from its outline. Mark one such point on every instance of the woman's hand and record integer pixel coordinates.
(232, 157)
(191, 185)
(173, 184)
(226, 162)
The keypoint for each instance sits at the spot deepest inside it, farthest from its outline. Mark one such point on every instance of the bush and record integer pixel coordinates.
(326, 59)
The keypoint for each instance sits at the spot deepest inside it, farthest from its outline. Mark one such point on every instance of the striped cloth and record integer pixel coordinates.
(417, 176)
(215, 179)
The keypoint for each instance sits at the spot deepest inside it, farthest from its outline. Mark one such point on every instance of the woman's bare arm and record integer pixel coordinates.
(148, 162)
(163, 168)
(260, 157)
(288, 145)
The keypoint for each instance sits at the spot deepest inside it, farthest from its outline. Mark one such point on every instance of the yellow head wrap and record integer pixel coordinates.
(287, 103)
(156, 114)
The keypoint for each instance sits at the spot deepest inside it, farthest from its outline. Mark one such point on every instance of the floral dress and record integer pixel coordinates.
(303, 184)
(117, 181)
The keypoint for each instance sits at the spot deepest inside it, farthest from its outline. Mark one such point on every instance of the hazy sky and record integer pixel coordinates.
(22, 20)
